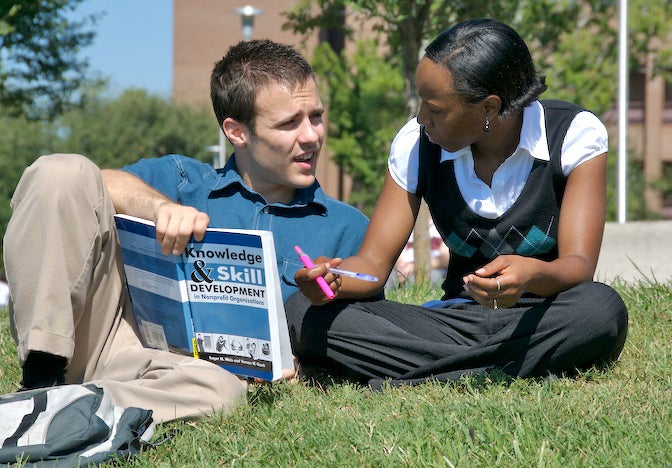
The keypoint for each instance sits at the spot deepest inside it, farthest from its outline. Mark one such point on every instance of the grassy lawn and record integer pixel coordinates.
(616, 417)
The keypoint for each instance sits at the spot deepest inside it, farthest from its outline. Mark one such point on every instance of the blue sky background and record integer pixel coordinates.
(133, 46)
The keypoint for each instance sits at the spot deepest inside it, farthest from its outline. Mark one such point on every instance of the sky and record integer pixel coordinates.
(133, 45)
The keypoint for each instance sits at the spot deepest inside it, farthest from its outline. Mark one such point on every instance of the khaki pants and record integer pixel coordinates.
(69, 297)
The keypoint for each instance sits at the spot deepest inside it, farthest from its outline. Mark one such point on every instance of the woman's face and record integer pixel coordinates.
(449, 121)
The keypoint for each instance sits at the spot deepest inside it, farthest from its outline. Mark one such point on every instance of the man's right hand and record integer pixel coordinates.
(176, 224)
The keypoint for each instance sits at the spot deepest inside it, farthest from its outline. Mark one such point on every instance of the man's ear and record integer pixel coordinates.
(237, 133)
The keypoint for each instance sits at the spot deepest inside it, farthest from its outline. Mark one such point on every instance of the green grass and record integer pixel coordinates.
(620, 416)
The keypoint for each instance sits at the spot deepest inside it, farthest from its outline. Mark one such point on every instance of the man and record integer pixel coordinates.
(71, 316)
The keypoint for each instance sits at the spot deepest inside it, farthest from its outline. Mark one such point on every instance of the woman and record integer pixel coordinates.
(517, 189)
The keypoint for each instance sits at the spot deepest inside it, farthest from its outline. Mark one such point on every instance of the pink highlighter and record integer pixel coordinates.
(305, 259)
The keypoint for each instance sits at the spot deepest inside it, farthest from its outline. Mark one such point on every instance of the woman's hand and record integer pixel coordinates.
(305, 280)
(501, 282)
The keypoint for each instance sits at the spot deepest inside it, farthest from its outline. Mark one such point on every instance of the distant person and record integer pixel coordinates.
(71, 317)
(4, 291)
(439, 255)
(517, 189)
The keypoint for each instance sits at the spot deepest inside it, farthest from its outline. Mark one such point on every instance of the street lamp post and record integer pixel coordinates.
(622, 111)
(247, 14)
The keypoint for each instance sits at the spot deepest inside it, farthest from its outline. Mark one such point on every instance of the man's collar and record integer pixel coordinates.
(228, 175)
(532, 136)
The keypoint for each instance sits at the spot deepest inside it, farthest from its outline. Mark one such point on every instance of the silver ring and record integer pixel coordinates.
(499, 286)
(494, 303)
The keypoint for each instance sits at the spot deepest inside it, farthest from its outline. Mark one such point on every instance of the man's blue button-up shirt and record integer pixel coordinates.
(319, 224)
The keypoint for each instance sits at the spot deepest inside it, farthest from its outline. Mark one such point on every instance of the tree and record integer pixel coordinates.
(112, 133)
(353, 84)
(573, 42)
(22, 142)
(40, 72)
(649, 29)
(404, 24)
(136, 125)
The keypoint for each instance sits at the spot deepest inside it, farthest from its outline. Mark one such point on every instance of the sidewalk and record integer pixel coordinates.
(635, 251)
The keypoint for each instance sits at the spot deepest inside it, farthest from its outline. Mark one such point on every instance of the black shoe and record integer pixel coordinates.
(43, 370)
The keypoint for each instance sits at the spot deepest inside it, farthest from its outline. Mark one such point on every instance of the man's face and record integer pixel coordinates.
(281, 155)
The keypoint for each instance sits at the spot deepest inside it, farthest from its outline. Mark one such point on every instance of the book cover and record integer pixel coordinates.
(220, 300)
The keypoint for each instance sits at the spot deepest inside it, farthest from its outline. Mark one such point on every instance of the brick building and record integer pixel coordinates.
(650, 133)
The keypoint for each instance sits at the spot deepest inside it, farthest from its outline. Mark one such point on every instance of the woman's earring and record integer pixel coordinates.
(486, 127)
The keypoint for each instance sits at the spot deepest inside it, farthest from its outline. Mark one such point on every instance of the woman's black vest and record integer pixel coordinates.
(529, 227)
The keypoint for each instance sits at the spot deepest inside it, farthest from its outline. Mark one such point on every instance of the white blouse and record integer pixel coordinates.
(585, 139)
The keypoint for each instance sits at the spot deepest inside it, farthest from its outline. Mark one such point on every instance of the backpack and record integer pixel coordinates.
(69, 425)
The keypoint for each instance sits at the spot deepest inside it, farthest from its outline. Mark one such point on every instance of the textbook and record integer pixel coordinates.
(220, 300)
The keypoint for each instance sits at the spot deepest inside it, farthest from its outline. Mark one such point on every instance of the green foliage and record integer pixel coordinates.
(578, 53)
(307, 15)
(665, 182)
(649, 27)
(573, 42)
(635, 185)
(110, 132)
(136, 125)
(40, 73)
(364, 93)
(22, 142)
(10, 372)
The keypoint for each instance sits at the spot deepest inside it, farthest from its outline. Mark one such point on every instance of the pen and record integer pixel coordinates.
(305, 259)
(353, 274)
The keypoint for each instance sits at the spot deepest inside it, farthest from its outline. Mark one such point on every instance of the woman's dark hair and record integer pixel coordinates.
(487, 57)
